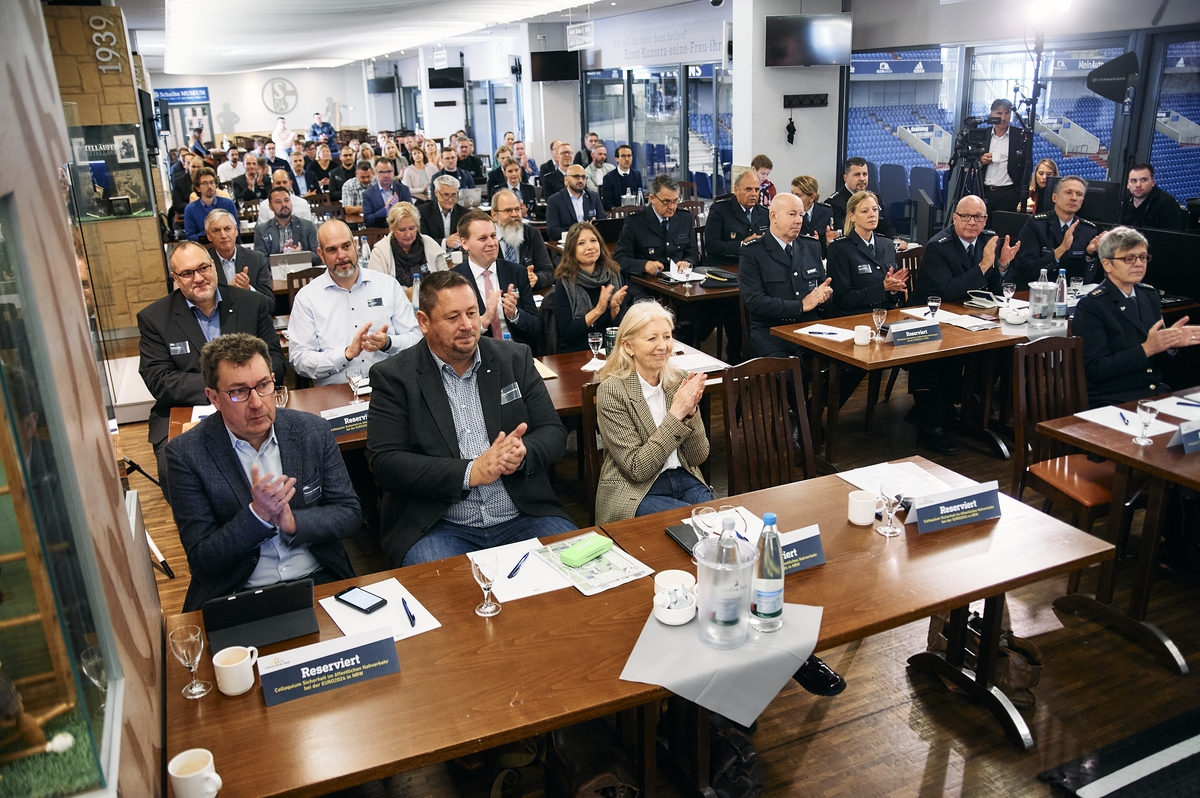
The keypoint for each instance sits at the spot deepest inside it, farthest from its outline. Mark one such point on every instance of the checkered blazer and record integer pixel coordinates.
(635, 448)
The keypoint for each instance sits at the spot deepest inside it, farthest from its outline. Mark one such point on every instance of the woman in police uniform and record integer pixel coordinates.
(862, 264)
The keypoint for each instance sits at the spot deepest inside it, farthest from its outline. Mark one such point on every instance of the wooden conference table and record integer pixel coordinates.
(878, 355)
(870, 583)
(1165, 466)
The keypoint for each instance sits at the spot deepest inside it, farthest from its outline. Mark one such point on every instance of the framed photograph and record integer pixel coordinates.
(79, 148)
(126, 148)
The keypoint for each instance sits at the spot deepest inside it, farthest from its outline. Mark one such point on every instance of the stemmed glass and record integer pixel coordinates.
(703, 521)
(879, 316)
(595, 339)
(935, 302)
(281, 396)
(892, 493)
(187, 643)
(354, 377)
(483, 568)
(1146, 414)
(1009, 289)
(92, 660)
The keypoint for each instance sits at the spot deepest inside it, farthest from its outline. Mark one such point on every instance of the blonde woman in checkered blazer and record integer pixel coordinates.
(654, 441)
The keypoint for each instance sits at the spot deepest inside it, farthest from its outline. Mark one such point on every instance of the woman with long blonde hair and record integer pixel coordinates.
(1044, 170)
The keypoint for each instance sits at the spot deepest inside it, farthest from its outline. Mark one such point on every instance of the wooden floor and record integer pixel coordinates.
(892, 732)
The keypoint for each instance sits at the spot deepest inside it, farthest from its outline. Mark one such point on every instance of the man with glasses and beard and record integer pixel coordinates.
(520, 243)
(174, 329)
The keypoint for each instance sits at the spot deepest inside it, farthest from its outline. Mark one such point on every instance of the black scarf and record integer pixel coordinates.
(408, 263)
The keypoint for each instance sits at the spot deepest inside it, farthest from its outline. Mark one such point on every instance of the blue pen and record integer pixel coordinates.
(741, 536)
(1186, 404)
(517, 567)
(819, 332)
(412, 619)
(1122, 415)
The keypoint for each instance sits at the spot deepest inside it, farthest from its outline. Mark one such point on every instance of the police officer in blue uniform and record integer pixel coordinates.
(782, 279)
(734, 221)
(1125, 344)
(862, 263)
(1058, 239)
(818, 216)
(656, 235)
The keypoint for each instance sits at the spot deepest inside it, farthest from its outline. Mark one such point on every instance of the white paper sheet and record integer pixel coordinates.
(827, 332)
(917, 481)
(973, 324)
(1124, 421)
(923, 313)
(1172, 407)
(534, 577)
(353, 622)
(200, 412)
(698, 361)
(345, 410)
(595, 364)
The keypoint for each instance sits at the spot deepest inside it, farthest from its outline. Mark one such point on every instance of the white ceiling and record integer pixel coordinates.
(223, 36)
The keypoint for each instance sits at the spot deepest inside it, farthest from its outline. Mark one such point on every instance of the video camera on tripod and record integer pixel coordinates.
(973, 139)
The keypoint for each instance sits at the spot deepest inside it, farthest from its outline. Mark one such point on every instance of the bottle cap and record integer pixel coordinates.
(726, 523)
(768, 519)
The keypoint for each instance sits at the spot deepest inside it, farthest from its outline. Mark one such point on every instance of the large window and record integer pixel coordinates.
(1175, 150)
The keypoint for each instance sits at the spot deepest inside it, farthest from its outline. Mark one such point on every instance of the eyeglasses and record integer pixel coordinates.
(1132, 260)
(972, 217)
(513, 209)
(190, 275)
(264, 388)
(665, 202)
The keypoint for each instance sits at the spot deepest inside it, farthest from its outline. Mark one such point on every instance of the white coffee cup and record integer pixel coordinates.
(235, 669)
(665, 581)
(193, 775)
(863, 506)
(456, 257)
(563, 238)
(862, 335)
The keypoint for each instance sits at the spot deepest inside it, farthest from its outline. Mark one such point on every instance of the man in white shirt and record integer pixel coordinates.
(300, 207)
(232, 167)
(598, 168)
(1004, 162)
(347, 317)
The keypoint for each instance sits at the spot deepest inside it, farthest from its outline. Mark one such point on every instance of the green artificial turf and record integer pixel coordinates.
(50, 775)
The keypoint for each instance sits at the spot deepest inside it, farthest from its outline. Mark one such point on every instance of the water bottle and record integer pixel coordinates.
(364, 254)
(641, 198)
(726, 608)
(1041, 302)
(416, 292)
(766, 591)
(1060, 296)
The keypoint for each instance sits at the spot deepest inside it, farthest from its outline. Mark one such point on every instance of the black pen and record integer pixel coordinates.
(412, 619)
(1122, 415)
(517, 567)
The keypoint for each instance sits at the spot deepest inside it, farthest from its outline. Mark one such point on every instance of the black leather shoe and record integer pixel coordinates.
(818, 678)
(937, 441)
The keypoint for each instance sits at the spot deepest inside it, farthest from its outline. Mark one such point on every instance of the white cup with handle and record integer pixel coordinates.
(193, 775)
(863, 506)
(235, 669)
(862, 335)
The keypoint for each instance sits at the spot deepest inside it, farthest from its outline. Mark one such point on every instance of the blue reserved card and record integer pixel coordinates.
(802, 549)
(914, 332)
(344, 420)
(955, 507)
(1189, 435)
(327, 665)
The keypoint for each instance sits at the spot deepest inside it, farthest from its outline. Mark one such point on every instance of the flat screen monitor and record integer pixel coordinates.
(1101, 203)
(809, 40)
(554, 65)
(1173, 262)
(381, 85)
(449, 78)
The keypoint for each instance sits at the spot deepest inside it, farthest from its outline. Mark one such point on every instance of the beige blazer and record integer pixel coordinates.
(635, 449)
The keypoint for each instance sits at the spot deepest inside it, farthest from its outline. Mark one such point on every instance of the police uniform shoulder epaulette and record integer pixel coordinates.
(1045, 215)
(1088, 223)
(988, 232)
(831, 196)
(824, 205)
(753, 243)
(942, 237)
(1097, 291)
(723, 201)
(1147, 286)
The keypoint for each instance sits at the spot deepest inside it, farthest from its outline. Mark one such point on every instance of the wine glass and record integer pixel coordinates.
(892, 493)
(935, 302)
(879, 316)
(281, 396)
(92, 660)
(187, 643)
(354, 377)
(703, 521)
(1076, 287)
(1009, 289)
(483, 568)
(1146, 414)
(595, 339)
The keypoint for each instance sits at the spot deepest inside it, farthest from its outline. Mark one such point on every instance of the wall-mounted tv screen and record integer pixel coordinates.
(554, 65)
(449, 78)
(381, 85)
(809, 40)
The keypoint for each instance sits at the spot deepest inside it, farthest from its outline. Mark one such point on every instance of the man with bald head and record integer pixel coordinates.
(573, 204)
(299, 205)
(964, 257)
(348, 317)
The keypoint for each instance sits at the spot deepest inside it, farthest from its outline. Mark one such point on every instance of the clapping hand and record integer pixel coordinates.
(374, 341)
(490, 314)
(687, 396)
(1008, 252)
(614, 302)
(504, 456)
(818, 296)
(896, 280)
(509, 301)
(242, 279)
(533, 279)
(271, 495)
(1178, 335)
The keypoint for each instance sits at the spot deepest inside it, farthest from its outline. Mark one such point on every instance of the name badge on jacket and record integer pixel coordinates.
(375, 302)
(181, 348)
(590, 213)
(864, 268)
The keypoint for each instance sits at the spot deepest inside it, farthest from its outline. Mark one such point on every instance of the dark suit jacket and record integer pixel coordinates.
(431, 220)
(528, 327)
(1113, 329)
(533, 253)
(210, 499)
(242, 191)
(858, 274)
(642, 240)
(553, 181)
(774, 287)
(946, 272)
(497, 180)
(337, 178)
(174, 379)
(819, 221)
(560, 213)
(259, 274)
(1040, 236)
(374, 206)
(837, 203)
(464, 178)
(613, 187)
(727, 226)
(414, 446)
(1016, 156)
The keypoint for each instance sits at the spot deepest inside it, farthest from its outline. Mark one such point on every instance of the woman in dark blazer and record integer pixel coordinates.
(862, 264)
(589, 293)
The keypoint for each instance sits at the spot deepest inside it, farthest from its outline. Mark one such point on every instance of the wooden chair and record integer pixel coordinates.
(621, 211)
(334, 209)
(875, 378)
(374, 234)
(1049, 383)
(695, 207)
(758, 429)
(687, 190)
(588, 436)
(299, 279)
